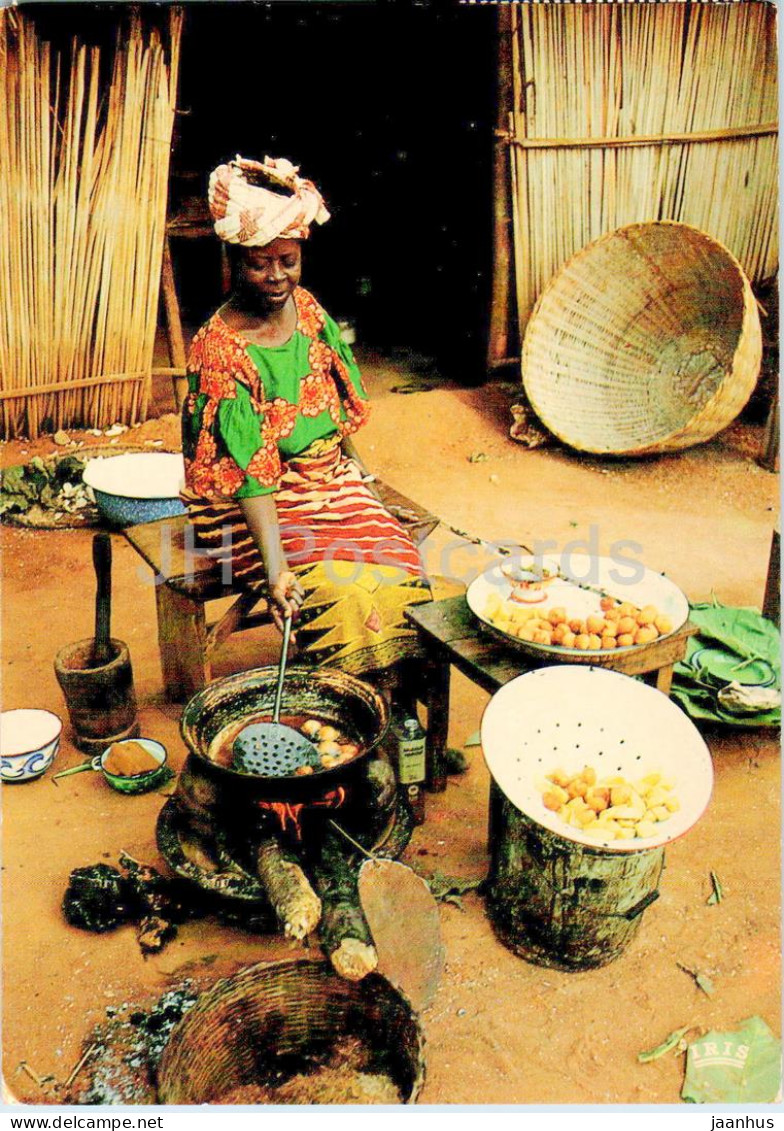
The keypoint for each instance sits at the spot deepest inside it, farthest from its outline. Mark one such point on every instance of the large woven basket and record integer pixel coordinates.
(648, 340)
(245, 1028)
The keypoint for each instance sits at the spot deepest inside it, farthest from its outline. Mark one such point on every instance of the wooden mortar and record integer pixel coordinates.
(100, 699)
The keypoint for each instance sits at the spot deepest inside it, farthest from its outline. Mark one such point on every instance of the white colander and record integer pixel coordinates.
(571, 716)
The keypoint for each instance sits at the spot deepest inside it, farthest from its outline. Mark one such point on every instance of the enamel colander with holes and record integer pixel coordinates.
(567, 717)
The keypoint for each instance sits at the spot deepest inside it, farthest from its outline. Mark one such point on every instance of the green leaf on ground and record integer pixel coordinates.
(742, 1066)
(717, 894)
(668, 1044)
(705, 984)
(14, 502)
(474, 739)
(702, 980)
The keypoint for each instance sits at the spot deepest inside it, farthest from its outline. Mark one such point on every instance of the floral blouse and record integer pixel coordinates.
(250, 408)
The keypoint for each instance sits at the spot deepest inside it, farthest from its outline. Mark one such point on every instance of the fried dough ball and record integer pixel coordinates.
(582, 641)
(664, 625)
(594, 642)
(328, 747)
(577, 626)
(557, 616)
(627, 624)
(595, 624)
(624, 640)
(609, 642)
(647, 615)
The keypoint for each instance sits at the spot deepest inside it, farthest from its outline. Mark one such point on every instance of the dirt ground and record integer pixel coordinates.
(500, 1030)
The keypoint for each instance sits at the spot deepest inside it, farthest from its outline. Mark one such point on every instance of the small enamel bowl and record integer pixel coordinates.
(137, 783)
(28, 743)
(132, 783)
(528, 585)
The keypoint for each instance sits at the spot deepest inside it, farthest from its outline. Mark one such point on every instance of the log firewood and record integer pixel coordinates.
(296, 905)
(343, 932)
(354, 959)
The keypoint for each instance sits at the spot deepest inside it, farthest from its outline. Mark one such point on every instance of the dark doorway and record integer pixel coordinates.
(389, 108)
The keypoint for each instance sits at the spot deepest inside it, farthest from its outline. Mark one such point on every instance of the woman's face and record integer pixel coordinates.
(268, 275)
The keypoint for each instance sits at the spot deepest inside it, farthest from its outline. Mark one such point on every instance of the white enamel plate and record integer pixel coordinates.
(580, 581)
(567, 717)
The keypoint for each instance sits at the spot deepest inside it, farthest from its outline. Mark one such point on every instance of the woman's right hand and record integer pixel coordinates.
(286, 596)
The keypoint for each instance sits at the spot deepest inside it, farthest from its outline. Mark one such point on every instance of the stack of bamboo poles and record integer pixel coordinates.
(84, 149)
(637, 112)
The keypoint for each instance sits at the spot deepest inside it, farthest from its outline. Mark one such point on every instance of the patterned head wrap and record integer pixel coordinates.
(247, 213)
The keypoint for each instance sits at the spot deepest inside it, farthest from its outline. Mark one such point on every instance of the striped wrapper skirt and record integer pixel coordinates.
(358, 567)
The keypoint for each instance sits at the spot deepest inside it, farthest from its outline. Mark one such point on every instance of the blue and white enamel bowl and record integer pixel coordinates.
(137, 486)
(28, 743)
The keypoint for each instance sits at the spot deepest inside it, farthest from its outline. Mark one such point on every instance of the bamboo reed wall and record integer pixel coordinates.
(635, 112)
(84, 150)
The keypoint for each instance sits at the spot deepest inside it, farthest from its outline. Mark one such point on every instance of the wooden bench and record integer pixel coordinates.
(187, 580)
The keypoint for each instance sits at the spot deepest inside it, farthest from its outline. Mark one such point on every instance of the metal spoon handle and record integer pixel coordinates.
(284, 655)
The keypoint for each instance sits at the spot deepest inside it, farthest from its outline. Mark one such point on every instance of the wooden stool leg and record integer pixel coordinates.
(664, 679)
(438, 680)
(771, 603)
(182, 635)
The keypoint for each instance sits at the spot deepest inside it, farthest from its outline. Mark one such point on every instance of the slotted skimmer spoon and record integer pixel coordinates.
(274, 750)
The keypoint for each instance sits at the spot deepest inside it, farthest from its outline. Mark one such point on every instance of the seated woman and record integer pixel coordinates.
(272, 478)
(274, 485)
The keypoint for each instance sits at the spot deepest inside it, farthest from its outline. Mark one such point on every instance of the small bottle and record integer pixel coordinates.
(411, 765)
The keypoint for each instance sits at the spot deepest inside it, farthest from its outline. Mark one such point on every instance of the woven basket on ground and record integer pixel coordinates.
(648, 340)
(284, 1015)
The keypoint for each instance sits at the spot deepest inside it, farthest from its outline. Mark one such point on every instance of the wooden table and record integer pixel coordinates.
(451, 634)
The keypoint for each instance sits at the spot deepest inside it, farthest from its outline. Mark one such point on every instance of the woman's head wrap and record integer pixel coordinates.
(247, 213)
